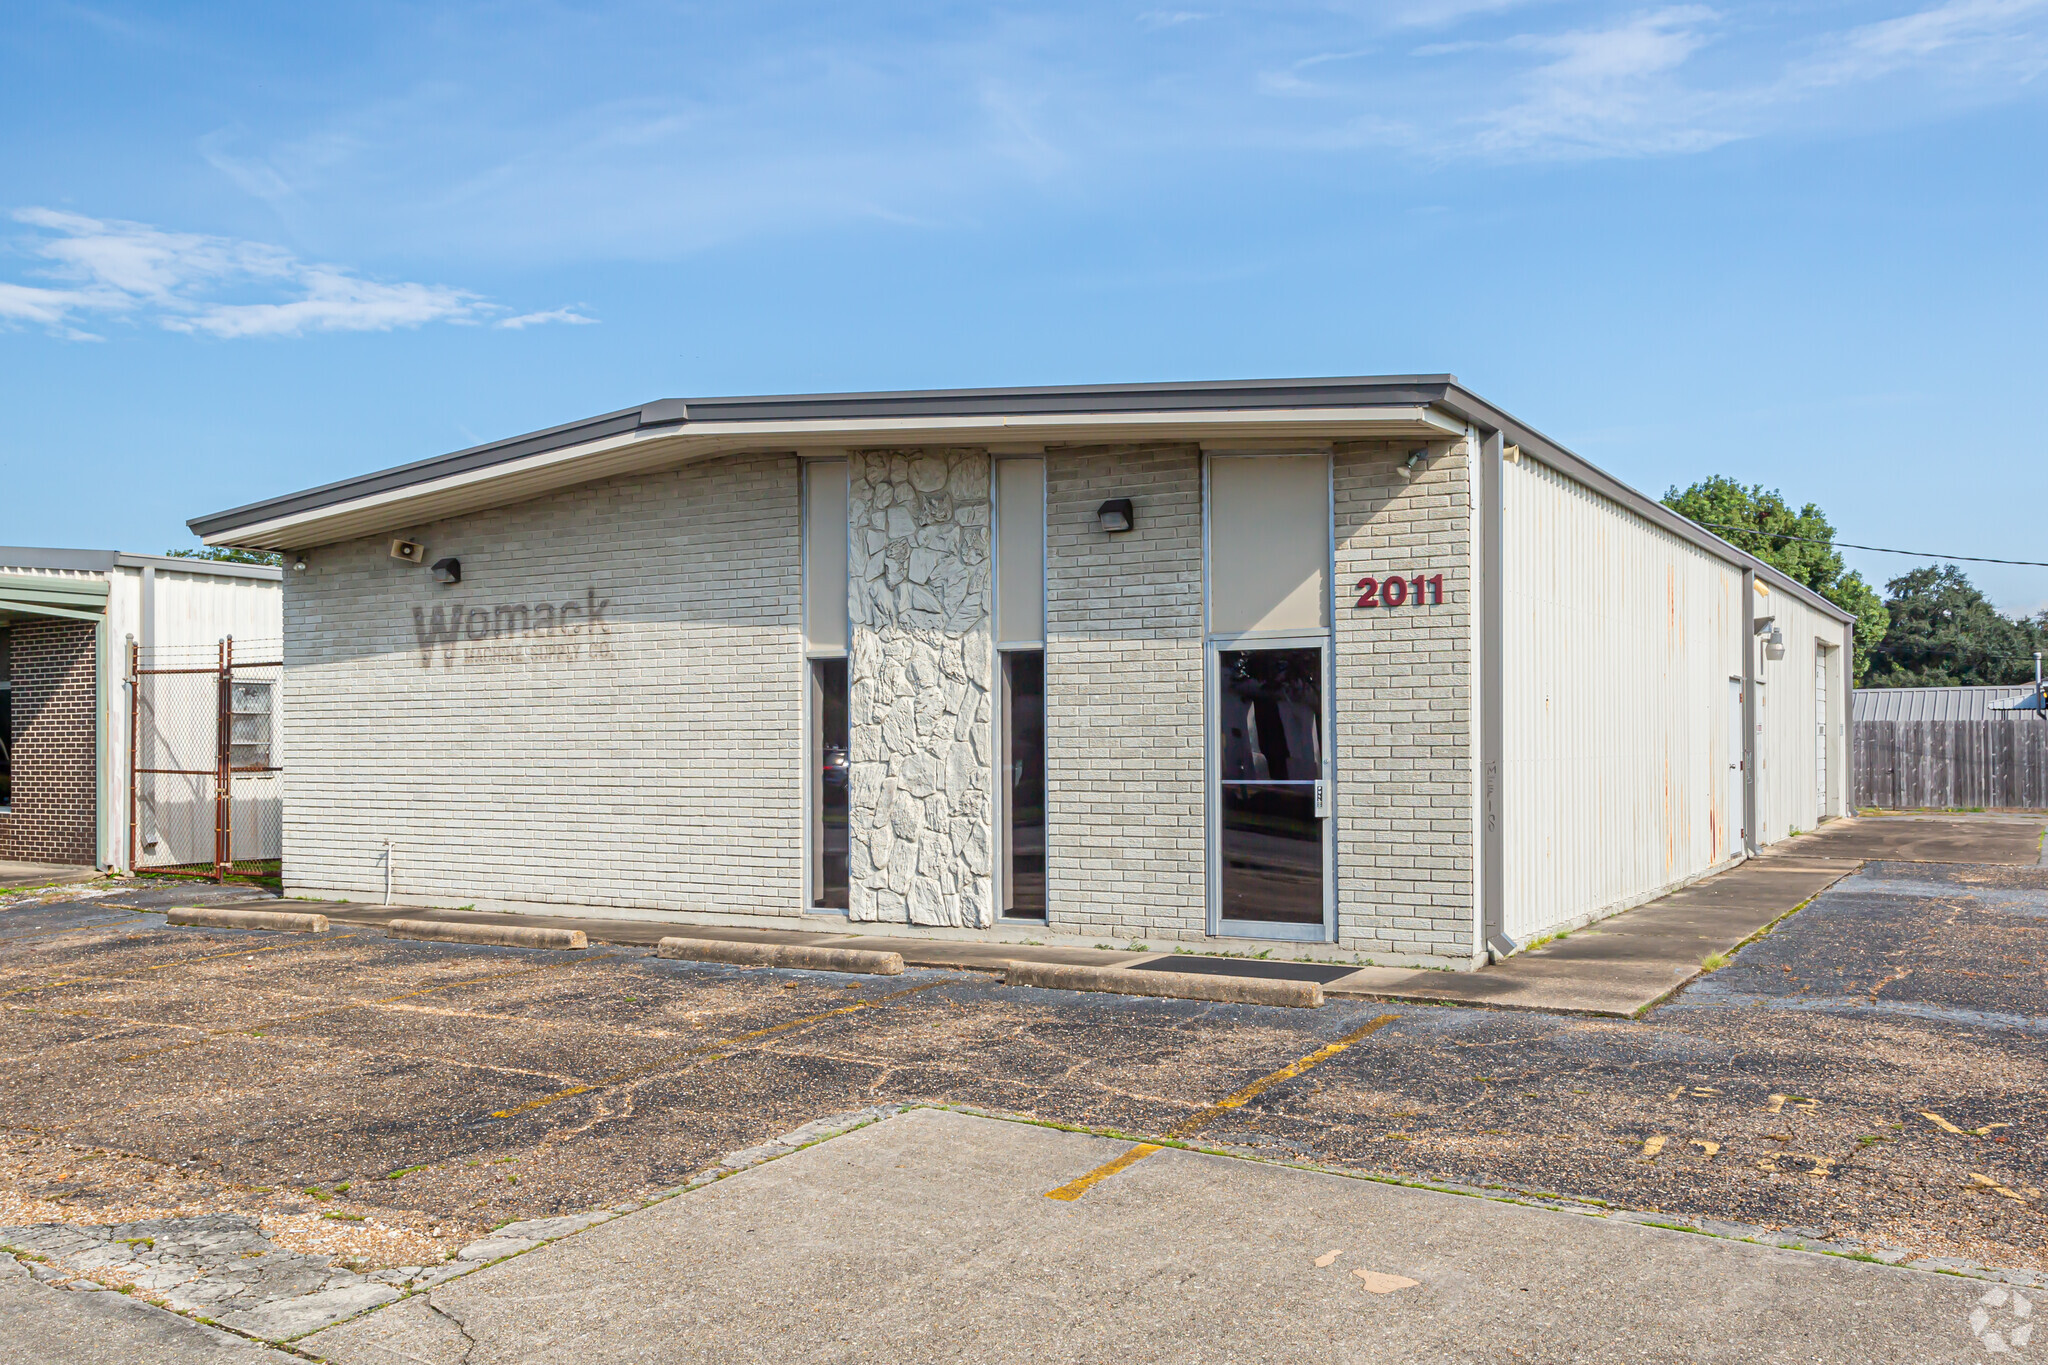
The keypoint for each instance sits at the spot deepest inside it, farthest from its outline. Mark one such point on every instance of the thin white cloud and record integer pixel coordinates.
(1609, 91)
(176, 280)
(1631, 88)
(1961, 36)
(525, 320)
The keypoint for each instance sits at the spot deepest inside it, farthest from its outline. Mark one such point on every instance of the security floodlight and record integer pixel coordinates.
(447, 571)
(1115, 515)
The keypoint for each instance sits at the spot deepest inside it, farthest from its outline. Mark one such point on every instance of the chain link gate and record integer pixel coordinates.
(203, 786)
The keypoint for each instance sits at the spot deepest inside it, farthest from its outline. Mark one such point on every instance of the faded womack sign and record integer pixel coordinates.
(519, 633)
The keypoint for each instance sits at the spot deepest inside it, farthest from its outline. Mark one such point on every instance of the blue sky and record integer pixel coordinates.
(249, 248)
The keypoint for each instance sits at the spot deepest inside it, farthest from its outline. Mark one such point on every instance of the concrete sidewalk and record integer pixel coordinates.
(1616, 967)
(14, 875)
(929, 1237)
(68, 1327)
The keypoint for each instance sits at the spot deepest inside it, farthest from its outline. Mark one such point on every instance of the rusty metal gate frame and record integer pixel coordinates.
(224, 769)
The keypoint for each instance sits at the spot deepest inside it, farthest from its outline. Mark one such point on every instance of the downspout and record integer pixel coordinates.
(1492, 840)
(1845, 721)
(1748, 615)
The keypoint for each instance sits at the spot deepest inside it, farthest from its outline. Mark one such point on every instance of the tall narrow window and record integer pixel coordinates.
(1020, 637)
(825, 635)
(829, 845)
(1024, 783)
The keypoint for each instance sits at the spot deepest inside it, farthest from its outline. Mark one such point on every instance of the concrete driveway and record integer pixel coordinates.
(930, 1237)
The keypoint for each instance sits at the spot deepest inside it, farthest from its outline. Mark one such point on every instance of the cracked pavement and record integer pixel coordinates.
(1869, 1075)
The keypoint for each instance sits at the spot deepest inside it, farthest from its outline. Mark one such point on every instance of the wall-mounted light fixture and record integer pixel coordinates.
(298, 563)
(447, 571)
(1115, 515)
(1416, 457)
(1774, 644)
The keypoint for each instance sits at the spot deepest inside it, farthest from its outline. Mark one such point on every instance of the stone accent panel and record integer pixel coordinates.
(1405, 705)
(1125, 847)
(54, 817)
(918, 707)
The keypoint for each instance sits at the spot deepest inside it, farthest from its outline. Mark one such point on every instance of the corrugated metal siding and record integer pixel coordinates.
(197, 609)
(1618, 644)
(1933, 703)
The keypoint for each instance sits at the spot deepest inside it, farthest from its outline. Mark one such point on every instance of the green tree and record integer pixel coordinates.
(1799, 545)
(219, 554)
(1945, 633)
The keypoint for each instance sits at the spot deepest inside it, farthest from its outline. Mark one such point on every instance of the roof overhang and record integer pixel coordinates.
(51, 595)
(657, 440)
(674, 432)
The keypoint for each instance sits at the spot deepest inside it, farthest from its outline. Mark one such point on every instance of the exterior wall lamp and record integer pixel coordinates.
(1115, 515)
(447, 571)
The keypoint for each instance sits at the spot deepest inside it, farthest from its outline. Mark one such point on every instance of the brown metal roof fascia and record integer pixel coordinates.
(1194, 397)
(420, 471)
(1206, 395)
(1476, 410)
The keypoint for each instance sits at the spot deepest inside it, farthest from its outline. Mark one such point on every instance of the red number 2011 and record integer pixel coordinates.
(1395, 591)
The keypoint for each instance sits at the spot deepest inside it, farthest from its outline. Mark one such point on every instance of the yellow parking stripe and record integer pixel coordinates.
(1074, 1189)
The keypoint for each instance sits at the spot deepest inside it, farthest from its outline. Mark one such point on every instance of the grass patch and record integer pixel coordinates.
(345, 1217)
(1714, 962)
(403, 1171)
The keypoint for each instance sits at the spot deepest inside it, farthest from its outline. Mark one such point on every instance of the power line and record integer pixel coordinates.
(1880, 549)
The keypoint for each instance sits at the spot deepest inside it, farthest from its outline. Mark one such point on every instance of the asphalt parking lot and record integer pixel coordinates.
(1869, 1074)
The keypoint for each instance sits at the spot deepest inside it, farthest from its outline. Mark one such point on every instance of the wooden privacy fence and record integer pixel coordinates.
(2000, 761)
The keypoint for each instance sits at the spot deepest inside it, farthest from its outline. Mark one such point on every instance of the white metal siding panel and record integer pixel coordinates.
(1618, 643)
(196, 610)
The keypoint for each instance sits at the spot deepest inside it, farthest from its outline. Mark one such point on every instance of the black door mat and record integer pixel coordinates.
(1245, 966)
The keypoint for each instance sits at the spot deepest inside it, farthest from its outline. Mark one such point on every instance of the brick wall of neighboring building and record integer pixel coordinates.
(515, 753)
(54, 812)
(1404, 710)
(1125, 839)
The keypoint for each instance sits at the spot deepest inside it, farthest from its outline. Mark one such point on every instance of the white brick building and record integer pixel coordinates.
(1352, 668)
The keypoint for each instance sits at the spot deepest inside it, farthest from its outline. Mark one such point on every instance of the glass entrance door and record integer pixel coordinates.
(1269, 853)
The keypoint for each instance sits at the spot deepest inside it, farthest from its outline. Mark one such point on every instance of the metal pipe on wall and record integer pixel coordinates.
(1749, 793)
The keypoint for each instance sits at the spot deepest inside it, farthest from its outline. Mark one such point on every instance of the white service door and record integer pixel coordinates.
(1731, 776)
(1820, 734)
